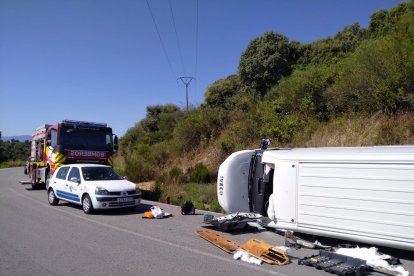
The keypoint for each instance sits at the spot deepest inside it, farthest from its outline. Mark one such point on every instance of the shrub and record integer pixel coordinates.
(279, 124)
(215, 206)
(198, 129)
(138, 169)
(303, 92)
(12, 163)
(199, 174)
(378, 77)
(241, 131)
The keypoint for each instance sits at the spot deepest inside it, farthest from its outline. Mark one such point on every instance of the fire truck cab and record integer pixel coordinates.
(69, 142)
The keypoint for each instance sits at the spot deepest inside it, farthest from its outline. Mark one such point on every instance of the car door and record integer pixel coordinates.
(59, 182)
(71, 185)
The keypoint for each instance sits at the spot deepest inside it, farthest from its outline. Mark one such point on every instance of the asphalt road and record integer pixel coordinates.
(39, 239)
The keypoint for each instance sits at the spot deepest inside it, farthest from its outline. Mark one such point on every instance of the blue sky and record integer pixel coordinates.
(103, 60)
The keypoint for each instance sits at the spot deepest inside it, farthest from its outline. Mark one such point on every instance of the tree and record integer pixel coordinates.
(154, 128)
(266, 60)
(377, 22)
(383, 21)
(220, 91)
(154, 114)
(332, 49)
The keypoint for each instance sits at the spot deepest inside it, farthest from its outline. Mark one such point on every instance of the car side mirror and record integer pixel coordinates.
(75, 179)
(125, 177)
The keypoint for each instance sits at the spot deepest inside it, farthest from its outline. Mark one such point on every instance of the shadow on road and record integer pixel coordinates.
(140, 209)
(126, 211)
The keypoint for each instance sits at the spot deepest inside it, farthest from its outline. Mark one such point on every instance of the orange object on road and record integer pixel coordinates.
(265, 252)
(218, 240)
(148, 214)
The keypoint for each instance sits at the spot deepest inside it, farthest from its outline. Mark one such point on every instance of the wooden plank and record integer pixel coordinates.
(218, 240)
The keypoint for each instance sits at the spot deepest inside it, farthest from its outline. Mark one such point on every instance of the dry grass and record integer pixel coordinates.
(147, 186)
(359, 131)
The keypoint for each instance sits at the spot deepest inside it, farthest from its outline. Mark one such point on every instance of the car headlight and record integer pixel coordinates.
(101, 191)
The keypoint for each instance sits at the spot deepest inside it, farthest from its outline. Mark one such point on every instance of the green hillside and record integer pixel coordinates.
(353, 89)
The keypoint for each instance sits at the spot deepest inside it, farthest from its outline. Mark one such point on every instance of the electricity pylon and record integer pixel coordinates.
(186, 81)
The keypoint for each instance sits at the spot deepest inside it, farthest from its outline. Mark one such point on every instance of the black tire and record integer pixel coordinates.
(87, 205)
(53, 200)
(35, 186)
(47, 180)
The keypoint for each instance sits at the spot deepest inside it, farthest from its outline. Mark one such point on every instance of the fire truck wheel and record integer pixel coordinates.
(53, 200)
(87, 205)
(47, 180)
(34, 185)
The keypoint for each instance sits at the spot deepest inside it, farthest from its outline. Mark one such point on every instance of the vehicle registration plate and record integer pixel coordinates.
(125, 199)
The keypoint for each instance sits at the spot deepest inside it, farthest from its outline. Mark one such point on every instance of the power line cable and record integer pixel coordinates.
(196, 52)
(159, 36)
(176, 36)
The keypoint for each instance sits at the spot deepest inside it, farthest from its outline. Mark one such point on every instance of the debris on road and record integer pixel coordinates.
(266, 252)
(375, 260)
(293, 241)
(156, 212)
(246, 257)
(218, 240)
(253, 251)
(187, 208)
(354, 261)
(335, 263)
(235, 222)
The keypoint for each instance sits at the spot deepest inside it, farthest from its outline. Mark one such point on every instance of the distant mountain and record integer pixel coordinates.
(20, 138)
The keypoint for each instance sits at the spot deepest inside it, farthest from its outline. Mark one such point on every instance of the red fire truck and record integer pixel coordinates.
(66, 143)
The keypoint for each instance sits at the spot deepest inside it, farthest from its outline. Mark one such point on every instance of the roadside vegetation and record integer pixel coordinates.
(13, 153)
(353, 89)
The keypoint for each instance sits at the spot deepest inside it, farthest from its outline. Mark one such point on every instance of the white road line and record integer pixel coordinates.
(189, 249)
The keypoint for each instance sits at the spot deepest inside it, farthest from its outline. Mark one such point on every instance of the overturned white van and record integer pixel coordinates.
(363, 194)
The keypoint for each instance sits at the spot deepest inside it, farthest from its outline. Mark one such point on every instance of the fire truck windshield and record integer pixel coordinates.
(85, 139)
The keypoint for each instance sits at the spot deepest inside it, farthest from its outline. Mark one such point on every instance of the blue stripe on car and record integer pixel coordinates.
(68, 196)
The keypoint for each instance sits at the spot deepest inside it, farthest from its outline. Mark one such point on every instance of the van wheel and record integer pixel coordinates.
(87, 205)
(53, 200)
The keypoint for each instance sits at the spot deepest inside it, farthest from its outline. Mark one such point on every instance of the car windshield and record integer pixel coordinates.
(99, 173)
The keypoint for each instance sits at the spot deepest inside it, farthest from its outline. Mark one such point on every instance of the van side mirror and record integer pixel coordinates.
(115, 143)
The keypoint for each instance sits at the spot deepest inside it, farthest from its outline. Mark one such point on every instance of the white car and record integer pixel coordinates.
(93, 187)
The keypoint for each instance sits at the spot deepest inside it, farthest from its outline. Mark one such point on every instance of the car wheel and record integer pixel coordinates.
(53, 200)
(87, 205)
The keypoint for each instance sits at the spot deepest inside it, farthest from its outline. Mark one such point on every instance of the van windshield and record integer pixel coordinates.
(99, 173)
